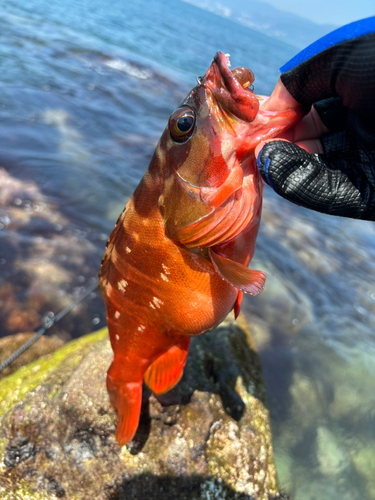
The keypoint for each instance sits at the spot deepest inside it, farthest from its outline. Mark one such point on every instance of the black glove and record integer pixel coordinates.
(337, 75)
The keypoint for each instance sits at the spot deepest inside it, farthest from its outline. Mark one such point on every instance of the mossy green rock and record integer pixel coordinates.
(10, 343)
(208, 438)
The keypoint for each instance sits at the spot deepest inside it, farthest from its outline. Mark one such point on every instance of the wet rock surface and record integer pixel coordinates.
(207, 438)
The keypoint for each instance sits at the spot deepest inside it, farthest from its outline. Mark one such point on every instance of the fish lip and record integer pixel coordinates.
(239, 101)
(230, 82)
(222, 61)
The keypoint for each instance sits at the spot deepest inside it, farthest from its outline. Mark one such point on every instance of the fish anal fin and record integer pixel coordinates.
(127, 400)
(166, 371)
(237, 304)
(236, 274)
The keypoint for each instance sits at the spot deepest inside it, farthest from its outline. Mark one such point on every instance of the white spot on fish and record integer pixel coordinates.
(122, 285)
(127, 250)
(163, 277)
(204, 112)
(117, 337)
(114, 255)
(157, 302)
(228, 153)
(152, 305)
(165, 269)
(160, 155)
(117, 314)
(141, 328)
(108, 289)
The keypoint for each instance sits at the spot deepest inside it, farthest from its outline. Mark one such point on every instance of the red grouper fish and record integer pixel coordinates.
(176, 262)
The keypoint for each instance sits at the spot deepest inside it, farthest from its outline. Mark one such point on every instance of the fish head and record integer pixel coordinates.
(213, 122)
(206, 153)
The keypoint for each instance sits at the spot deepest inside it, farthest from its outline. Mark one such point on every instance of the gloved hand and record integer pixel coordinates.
(333, 173)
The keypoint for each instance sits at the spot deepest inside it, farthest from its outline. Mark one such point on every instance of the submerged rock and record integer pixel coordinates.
(9, 344)
(208, 438)
(45, 261)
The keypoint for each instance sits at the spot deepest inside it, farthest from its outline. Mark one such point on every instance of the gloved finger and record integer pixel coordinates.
(310, 181)
(310, 145)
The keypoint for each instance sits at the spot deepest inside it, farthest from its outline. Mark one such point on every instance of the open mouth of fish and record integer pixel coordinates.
(233, 88)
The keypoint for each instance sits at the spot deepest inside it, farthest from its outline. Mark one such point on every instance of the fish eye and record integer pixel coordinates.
(181, 124)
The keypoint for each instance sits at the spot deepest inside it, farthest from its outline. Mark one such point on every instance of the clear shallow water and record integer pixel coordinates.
(86, 91)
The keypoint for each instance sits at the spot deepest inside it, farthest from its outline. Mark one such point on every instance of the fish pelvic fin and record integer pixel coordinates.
(166, 371)
(247, 280)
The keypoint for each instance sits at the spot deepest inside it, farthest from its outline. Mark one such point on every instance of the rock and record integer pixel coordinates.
(207, 438)
(305, 396)
(314, 490)
(9, 344)
(331, 456)
(45, 261)
(364, 463)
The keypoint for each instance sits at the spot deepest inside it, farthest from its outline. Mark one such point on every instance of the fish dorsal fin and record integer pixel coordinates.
(241, 277)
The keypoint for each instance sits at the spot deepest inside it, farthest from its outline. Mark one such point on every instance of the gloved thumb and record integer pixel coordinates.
(311, 181)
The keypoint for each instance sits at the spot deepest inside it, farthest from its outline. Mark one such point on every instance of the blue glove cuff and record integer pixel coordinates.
(347, 32)
(263, 170)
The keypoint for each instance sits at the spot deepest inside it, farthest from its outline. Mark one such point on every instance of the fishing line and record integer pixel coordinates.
(48, 321)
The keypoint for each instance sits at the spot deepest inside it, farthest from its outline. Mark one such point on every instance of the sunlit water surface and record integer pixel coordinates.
(86, 91)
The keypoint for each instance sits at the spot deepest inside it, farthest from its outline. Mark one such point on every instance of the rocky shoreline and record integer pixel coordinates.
(209, 438)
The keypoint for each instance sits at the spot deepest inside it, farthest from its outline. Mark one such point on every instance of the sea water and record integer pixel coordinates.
(86, 90)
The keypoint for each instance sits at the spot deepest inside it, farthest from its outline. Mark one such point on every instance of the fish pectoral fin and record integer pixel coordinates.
(241, 277)
(166, 371)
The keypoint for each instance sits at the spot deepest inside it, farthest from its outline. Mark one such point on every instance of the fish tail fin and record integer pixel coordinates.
(126, 397)
(166, 371)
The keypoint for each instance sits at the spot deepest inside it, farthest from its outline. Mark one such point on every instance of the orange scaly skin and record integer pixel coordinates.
(176, 262)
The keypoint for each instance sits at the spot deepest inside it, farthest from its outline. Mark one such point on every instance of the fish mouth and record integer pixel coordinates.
(232, 88)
